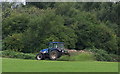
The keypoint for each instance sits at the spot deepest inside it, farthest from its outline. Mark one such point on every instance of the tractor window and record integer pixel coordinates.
(61, 45)
(55, 45)
(50, 45)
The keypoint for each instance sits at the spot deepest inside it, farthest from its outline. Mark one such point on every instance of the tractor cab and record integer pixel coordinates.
(56, 45)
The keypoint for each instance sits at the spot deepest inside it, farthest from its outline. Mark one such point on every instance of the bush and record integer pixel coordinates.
(78, 57)
(102, 55)
(13, 54)
(115, 57)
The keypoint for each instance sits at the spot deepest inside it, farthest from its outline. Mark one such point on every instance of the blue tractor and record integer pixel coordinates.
(54, 51)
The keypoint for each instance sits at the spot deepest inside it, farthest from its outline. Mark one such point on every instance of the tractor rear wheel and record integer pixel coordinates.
(53, 55)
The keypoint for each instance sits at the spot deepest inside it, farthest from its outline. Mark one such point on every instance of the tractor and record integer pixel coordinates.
(54, 51)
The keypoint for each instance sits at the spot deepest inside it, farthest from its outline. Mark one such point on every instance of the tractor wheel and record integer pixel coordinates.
(40, 56)
(53, 55)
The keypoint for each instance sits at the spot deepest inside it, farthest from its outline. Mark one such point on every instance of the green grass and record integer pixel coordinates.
(21, 65)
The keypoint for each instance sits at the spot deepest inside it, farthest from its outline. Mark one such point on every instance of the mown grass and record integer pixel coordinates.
(21, 65)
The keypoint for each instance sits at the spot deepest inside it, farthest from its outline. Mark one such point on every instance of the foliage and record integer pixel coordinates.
(31, 33)
(98, 36)
(102, 55)
(42, 5)
(79, 25)
(15, 23)
(20, 55)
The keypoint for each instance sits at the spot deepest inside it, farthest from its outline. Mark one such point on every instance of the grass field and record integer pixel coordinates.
(21, 65)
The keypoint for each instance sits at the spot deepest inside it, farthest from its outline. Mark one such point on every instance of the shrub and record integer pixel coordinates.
(13, 54)
(78, 57)
(102, 55)
(115, 57)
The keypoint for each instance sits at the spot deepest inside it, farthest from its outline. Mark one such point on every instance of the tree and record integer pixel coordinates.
(42, 5)
(16, 23)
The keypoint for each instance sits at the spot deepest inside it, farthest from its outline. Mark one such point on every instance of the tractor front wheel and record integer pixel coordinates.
(40, 56)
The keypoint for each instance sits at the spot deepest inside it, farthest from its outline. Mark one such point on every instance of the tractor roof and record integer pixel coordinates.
(56, 42)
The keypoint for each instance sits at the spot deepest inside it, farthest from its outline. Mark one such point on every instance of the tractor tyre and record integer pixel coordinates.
(53, 55)
(40, 56)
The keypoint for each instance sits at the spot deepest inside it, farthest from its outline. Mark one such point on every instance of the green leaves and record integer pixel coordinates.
(78, 25)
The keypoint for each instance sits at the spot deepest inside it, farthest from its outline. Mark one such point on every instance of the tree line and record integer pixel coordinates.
(79, 25)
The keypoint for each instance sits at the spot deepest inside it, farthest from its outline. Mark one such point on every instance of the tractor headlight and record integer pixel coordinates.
(44, 51)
